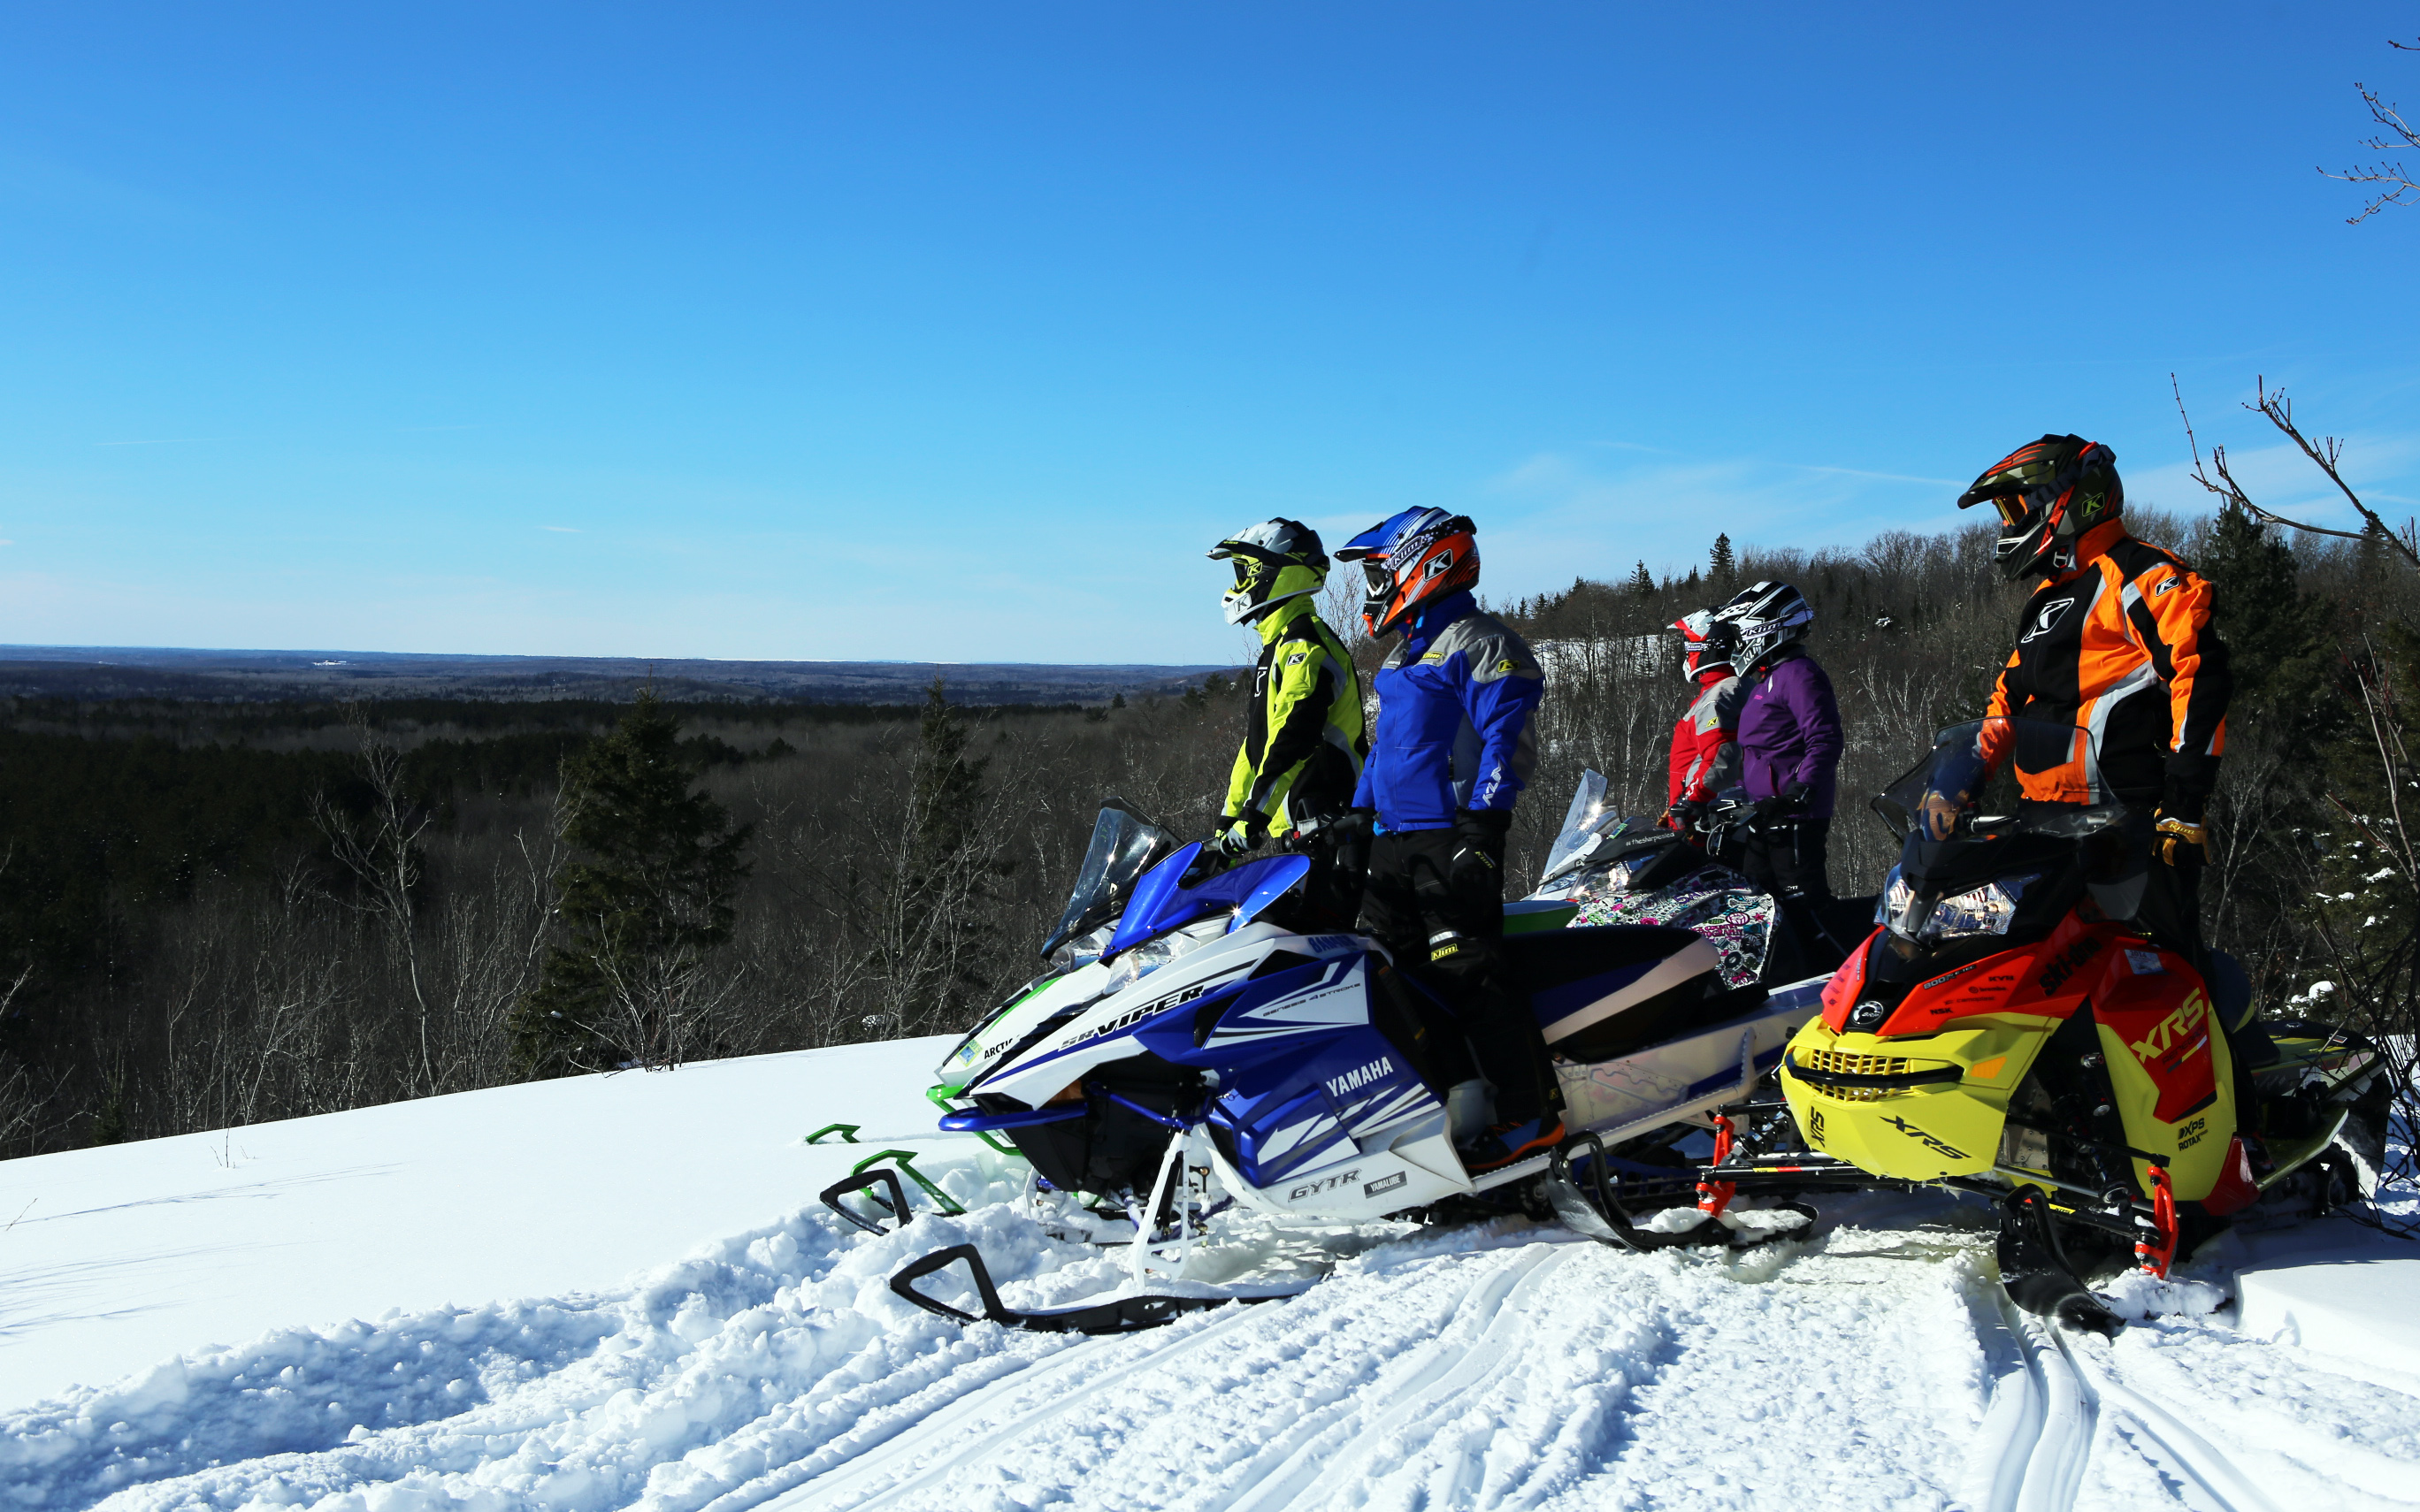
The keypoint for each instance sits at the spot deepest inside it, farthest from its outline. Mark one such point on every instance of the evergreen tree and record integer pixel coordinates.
(648, 892)
(1725, 564)
(1643, 582)
(948, 787)
(2274, 632)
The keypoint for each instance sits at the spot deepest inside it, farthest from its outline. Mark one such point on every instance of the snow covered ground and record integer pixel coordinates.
(620, 1293)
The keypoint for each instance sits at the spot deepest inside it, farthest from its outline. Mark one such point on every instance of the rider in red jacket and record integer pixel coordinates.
(1705, 748)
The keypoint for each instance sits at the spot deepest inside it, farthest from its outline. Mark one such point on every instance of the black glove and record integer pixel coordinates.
(1795, 799)
(1684, 815)
(1478, 851)
(1349, 842)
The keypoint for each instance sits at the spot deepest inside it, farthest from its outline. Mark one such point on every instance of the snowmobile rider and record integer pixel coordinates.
(2117, 641)
(1790, 742)
(1452, 749)
(1705, 742)
(1303, 746)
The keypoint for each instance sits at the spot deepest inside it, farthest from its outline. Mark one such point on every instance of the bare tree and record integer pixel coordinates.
(2396, 135)
(383, 853)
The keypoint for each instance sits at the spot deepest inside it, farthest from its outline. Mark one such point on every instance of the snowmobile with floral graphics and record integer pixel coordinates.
(1606, 867)
(1190, 1030)
(2003, 1032)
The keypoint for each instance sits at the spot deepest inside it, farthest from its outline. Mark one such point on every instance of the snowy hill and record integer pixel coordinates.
(620, 1293)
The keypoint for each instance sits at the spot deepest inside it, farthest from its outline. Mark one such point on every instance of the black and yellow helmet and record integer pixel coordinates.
(1275, 560)
(2048, 493)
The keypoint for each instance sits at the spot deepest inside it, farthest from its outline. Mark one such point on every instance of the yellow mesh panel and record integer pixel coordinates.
(1841, 1062)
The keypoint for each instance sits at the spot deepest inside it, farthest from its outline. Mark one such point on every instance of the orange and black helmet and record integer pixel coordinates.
(2048, 493)
(1410, 560)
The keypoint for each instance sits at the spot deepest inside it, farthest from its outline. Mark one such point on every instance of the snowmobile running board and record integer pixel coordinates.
(1120, 1315)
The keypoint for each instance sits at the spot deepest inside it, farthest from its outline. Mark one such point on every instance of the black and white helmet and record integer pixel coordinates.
(1766, 616)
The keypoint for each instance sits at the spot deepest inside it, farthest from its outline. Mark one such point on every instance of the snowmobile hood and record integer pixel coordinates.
(1162, 901)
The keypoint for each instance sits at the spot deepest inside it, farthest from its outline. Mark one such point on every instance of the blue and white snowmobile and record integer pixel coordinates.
(1188, 1024)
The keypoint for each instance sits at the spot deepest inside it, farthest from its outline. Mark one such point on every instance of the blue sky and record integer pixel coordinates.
(959, 332)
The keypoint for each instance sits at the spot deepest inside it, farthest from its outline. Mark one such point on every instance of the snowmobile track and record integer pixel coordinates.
(2050, 1421)
(1466, 1355)
(910, 1439)
(2163, 1439)
(1476, 1345)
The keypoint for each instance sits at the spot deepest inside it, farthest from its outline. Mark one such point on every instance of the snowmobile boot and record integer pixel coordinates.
(1501, 1144)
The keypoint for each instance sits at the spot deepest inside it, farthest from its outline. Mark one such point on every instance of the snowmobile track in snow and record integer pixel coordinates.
(2160, 1436)
(909, 1444)
(1470, 1351)
(2045, 1423)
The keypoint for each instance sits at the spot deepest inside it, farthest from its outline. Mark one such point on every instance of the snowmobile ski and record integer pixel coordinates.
(865, 1181)
(1119, 1315)
(1586, 1204)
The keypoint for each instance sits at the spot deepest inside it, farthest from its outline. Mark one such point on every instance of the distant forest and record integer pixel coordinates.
(213, 914)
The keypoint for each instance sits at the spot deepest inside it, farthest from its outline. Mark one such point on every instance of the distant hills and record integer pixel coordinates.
(239, 676)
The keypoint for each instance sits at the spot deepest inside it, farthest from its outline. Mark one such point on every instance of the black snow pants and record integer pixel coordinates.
(1444, 924)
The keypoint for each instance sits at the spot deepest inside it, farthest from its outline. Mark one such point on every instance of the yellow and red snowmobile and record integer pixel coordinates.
(2003, 1031)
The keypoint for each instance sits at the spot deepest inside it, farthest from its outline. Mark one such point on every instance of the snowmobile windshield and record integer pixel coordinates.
(1591, 810)
(1966, 828)
(1125, 845)
(1967, 787)
(1595, 834)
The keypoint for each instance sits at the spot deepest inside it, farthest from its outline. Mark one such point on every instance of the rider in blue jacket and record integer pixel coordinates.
(1451, 751)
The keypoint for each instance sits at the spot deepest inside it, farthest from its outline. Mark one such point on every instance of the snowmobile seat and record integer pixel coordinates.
(1602, 991)
(2230, 990)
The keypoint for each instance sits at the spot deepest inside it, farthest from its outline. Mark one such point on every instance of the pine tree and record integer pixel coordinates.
(1643, 582)
(2273, 629)
(948, 787)
(649, 891)
(1726, 565)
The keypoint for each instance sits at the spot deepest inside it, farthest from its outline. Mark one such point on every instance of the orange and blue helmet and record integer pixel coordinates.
(1412, 559)
(2048, 493)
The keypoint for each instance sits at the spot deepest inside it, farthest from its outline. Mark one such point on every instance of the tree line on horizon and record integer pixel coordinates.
(210, 927)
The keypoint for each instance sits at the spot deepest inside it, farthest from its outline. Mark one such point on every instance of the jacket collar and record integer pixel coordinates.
(1274, 623)
(1424, 626)
(2090, 547)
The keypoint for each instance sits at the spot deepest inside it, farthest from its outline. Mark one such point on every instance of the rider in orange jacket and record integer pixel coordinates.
(2117, 641)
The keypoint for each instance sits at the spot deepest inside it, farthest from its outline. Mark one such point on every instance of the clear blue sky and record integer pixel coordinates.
(960, 331)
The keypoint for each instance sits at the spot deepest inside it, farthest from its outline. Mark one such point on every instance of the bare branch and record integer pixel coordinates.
(2280, 412)
(2396, 137)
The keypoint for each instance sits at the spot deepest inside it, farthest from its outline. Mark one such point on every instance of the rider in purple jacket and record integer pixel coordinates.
(1790, 749)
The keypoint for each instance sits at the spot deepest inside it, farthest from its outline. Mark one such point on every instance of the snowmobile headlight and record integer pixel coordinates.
(1988, 909)
(1142, 959)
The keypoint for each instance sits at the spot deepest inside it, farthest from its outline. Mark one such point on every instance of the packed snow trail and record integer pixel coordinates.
(1509, 1364)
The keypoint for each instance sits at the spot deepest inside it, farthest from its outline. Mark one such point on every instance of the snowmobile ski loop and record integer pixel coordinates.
(865, 1182)
(1121, 1315)
(1714, 1196)
(2157, 1251)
